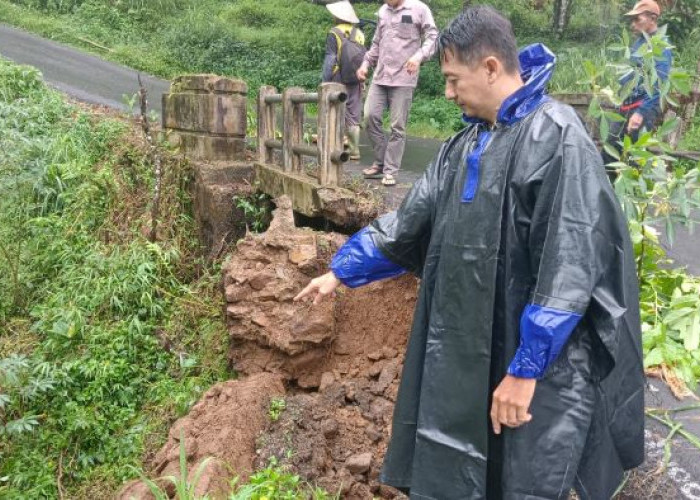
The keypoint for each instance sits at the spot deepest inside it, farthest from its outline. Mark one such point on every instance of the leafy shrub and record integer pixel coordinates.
(654, 191)
(102, 301)
(274, 482)
(61, 6)
(440, 114)
(17, 81)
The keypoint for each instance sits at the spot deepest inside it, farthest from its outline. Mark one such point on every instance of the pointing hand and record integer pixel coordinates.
(319, 288)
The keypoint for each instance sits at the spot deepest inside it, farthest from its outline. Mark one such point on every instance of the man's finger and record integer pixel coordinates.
(511, 416)
(319, 297)
(522, 415)
(503, 417)
(306, 291)
(494, 418)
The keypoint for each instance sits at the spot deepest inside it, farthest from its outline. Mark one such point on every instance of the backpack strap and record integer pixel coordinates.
(339, 36)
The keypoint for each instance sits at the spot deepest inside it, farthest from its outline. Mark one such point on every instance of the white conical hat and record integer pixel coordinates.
(343, 11)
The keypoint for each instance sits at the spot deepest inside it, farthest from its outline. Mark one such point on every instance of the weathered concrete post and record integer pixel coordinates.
(267, 124)
(293, 130)
(206, 116)
(331, 124)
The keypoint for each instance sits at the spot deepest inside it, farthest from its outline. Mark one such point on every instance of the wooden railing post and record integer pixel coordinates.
(331, 128)
(267, 124)
(293, 129)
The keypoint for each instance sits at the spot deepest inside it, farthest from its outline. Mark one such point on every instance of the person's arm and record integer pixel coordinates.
(429, 34)
(330, 61)
(568, 247)
(663, 69)
(372, 55)
(392, 245)
(359, 261)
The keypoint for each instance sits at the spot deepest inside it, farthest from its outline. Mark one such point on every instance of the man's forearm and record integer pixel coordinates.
(429, 46)
(359, 261)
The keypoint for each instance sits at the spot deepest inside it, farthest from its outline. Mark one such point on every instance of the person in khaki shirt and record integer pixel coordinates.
(405, 37)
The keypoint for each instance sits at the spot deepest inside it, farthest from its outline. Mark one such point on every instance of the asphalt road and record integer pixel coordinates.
(91, 79)
(80, 75)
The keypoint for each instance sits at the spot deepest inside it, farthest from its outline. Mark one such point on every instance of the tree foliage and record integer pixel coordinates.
(655, 190)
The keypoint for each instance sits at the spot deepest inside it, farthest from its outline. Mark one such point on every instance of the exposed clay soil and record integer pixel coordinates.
(337, 365)
(341, 359)
(222, 429)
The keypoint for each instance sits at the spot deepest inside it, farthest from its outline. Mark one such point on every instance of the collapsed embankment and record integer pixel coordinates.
(336, 365)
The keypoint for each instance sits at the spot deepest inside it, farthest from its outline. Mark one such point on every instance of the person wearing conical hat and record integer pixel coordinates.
(346, 36)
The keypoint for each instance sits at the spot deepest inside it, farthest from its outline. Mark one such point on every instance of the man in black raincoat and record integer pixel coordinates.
(523, 375)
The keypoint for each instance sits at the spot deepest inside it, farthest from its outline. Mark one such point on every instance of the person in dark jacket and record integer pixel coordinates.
(345, 28)
(640, 109)
(523, 374)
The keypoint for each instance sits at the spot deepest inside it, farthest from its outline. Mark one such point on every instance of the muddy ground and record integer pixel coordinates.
(335, 366)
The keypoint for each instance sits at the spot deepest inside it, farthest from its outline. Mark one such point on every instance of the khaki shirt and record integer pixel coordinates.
(403, 32)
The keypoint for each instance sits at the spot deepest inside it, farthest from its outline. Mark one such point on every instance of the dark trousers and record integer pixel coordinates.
(618, 130)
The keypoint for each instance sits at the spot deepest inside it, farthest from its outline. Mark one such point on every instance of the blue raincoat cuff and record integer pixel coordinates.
(360, 262)
(543, 333)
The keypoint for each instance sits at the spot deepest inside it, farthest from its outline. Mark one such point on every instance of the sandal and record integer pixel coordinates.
(388, 180)
(373, 172)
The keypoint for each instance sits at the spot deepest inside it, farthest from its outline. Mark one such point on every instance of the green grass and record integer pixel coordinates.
(105, 338)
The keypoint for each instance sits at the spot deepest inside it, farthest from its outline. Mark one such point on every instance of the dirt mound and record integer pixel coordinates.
(223, 424)
(269, 332)
(337, 438)
(341, 362)
(342, 359)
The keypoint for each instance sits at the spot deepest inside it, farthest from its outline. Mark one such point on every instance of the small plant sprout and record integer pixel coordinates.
(277, 406)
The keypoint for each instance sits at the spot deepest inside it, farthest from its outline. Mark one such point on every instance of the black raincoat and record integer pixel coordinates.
(509, 223)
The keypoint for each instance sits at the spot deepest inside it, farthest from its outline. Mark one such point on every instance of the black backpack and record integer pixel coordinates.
(350, 55)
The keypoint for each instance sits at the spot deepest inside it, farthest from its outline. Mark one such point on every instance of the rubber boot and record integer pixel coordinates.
(353, 134)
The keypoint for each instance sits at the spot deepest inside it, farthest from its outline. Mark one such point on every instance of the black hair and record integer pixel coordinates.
(479, 32)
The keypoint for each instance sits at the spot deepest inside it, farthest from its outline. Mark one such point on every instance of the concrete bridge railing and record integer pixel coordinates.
(314, 188)
(328, 151)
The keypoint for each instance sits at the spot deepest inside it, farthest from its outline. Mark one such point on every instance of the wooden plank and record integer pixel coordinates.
(266, 124)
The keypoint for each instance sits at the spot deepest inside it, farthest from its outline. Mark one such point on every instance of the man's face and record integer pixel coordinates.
(467, 85)
(642, 23)
(393, 3)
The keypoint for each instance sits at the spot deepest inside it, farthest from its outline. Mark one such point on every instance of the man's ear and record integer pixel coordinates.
(493, 68)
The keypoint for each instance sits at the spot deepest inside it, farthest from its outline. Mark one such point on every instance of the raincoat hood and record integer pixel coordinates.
(536, 68)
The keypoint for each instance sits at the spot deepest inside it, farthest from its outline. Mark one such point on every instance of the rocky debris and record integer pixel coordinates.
(341, 362)
(261, 279)
(270, 332)
(330, 443)
(221, 429)
(136, 490)
(359, 464)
